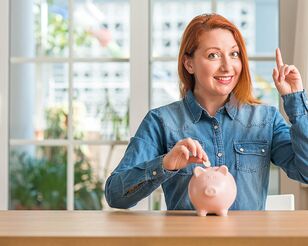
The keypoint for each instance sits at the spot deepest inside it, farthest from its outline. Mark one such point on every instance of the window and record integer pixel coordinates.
(69, 92)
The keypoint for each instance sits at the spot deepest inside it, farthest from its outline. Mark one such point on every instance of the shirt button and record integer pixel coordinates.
(154, 173)
(262, 150)
(241, 149)
(215, 127)
(219, 154)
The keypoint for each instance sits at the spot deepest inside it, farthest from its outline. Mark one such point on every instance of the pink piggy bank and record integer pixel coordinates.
(212, 190)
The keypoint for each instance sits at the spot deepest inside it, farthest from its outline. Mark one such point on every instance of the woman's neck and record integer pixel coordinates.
(211, 104)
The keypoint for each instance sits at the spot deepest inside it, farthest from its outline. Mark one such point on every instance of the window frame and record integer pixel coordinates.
(4, 104)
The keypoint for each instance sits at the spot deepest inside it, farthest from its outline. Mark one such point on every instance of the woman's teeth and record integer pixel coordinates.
(224, 78)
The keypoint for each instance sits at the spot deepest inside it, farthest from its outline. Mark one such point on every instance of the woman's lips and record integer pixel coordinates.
(223, 79)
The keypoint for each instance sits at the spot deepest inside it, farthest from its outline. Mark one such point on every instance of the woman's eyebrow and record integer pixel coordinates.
(213, 48)
(217, 48)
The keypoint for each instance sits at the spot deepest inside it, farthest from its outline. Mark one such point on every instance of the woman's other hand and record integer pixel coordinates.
(185, 152)
(286, 77)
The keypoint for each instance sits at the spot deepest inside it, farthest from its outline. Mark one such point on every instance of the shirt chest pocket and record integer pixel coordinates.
(251, 156)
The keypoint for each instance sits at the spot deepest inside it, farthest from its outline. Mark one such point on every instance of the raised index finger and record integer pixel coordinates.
(279, 60)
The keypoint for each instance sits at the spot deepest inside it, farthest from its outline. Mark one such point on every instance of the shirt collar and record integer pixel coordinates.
(193, 106)
(196, 109)
(232, 106)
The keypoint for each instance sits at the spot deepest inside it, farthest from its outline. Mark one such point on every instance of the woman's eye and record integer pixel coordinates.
(235, 54)
(213, 56)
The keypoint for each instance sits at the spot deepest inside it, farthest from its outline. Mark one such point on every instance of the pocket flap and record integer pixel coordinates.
(248, 148)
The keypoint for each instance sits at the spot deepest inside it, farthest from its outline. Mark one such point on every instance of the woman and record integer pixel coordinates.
(218, 120)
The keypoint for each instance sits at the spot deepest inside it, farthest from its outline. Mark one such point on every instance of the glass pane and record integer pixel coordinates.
(101, 94)
(41, 28)
(38, 101)
(37, 177)
(165, 85)
(99, 29)
(169, 19)
(264, 87)
(258, 21)
(273, 187)
(93, 164)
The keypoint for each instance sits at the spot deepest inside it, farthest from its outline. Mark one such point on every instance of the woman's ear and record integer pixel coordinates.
(188, 64)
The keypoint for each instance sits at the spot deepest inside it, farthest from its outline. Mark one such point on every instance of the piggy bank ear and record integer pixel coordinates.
(198, 170)
(223, 169)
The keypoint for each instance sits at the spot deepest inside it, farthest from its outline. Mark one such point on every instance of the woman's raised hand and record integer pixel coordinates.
(185, 152)
(286, 77)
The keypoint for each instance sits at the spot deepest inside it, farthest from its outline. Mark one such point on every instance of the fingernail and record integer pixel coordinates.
(207, 163)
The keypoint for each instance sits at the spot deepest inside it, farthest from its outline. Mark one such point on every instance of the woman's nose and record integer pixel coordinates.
(225, 65)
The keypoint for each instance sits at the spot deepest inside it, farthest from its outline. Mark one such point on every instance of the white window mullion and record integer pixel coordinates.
(64, 142)
(139, 62)
(139, 101)
(70, 147)
(4, 104)
(48, 59)
(214, 6)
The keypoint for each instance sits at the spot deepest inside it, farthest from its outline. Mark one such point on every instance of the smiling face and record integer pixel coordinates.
(215, 64)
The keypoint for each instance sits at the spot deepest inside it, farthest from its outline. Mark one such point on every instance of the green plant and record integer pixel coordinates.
(36, 183)
(119, 123)
(38, 177)
(88, 188)
(56, 41)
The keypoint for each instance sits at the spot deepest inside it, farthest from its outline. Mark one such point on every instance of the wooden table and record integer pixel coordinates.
(88, 228)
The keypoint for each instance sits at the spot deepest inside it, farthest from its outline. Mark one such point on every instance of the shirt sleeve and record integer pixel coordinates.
(290, 144)
(140, 171)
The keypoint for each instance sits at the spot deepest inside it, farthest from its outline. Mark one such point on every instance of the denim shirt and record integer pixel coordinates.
(245, 138)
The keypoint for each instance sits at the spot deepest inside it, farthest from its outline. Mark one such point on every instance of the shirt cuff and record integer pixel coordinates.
(156, 172)
(295, 105)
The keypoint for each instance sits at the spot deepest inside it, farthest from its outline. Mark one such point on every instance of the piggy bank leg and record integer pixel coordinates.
(202, 212)
(223, 212)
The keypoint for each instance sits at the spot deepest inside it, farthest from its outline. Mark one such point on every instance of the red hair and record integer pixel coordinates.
(190, 41)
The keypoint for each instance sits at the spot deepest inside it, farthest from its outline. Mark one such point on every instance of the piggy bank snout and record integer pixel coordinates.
(210, 191)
